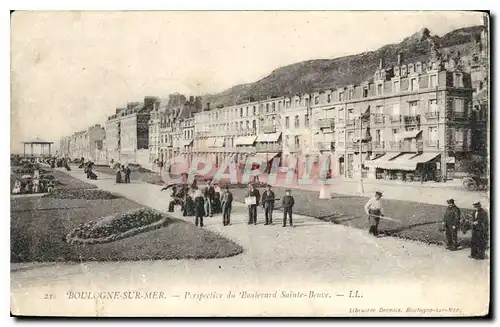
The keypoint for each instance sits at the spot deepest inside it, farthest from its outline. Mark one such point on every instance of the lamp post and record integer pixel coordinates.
(362, 189)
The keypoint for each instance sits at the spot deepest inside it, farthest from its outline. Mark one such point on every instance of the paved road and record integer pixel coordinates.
(318, 256)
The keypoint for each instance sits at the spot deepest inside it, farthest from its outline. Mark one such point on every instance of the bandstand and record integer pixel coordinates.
(43, 146)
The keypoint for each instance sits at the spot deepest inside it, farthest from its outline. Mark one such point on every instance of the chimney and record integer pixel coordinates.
(399, 59)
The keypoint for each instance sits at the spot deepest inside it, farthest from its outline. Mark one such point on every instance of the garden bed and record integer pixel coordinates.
(85, 194)
(116, 227)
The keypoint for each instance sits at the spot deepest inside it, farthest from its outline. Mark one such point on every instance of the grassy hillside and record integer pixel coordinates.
(312, 75)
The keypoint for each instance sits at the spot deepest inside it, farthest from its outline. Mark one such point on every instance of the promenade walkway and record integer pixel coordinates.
(315, 256)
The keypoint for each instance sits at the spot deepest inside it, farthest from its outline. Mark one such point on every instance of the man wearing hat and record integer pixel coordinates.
(479, 239)
(227, 204)
(252, 208)
(373, 209)
(268, 199)
(451, 223)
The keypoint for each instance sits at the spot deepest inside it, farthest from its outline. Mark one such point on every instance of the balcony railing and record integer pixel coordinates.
(268, 129)
(432, 143)
(432, 115)
(292, 148)
(246, 131)
(412, 120)
(326, 146)
(395, 118)
(459, 115)
(378, 119)
(378, 145)
(326, 123)
(268, 147)
(413, 146)
(395, 145)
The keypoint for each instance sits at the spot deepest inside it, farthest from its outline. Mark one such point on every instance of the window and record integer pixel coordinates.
(459, 136)
(341, 95)
(306, 102)
(273, 121)
(413, 84)
(297, 122)
(297, 103)
(341, 114)
(458, 105)
(341, 136)
(433, 134)
(316, 99)
(414, 110)
(241, 125)
(395, 109)
(350, 136)
(241, 112)
(378, 136)
(287, 122)
(254, 124)
(350, 94)
(267, 108)
(459, 80)
(247, 124)
(395, 135)
(379, 110)
(287, 140)
(329, 98)
(273, 105)
(365, 91)
(433, 105)
(306, 120)
(254, 110)
(379, 89)
(246, 111)
(296, 140)
(432, 81)
(287, 104)
(350, 113)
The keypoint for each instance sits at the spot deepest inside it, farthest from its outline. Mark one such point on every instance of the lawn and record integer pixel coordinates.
(135, 174)
(419, 221)
(39, 226)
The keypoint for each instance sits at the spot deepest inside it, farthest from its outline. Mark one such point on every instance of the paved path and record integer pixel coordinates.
(315, 255)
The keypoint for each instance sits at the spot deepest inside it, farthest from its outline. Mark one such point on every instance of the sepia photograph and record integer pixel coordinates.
(250, 163)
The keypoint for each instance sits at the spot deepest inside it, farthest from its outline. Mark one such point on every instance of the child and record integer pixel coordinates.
(287, 204)
(199, 210)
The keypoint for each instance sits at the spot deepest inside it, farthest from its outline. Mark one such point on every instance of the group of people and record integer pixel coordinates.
(122, 174)
(452, 223)
(34, 184)
(267, 200)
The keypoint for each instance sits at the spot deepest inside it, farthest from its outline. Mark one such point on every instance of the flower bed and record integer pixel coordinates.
(82, 194)
(116, 227)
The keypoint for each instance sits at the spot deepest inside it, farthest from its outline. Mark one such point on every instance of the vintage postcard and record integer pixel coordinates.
(261, 164)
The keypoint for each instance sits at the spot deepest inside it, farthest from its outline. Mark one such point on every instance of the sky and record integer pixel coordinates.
(70, 70)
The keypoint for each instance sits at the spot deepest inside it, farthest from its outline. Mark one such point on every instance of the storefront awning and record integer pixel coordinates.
(408, 134)
(424, 157)
(187, 142)
(271, 137)
(383, 161)
(217, 143)
(245, 140)
(403, 162)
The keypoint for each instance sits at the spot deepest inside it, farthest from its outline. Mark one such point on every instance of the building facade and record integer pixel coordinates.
(89, 144)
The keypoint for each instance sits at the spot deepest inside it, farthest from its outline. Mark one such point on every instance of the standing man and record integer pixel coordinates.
(268, 204)
(451, 221)
(199, 208)
(127, 174)
(210, 195)
(227, 205)
(479, 240)
(373, 209)
(287, 204)
(252, 208)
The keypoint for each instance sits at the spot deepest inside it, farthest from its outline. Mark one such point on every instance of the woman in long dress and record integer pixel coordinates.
(118, 175)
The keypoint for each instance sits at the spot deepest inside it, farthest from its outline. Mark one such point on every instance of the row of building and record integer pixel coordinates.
(409, 120)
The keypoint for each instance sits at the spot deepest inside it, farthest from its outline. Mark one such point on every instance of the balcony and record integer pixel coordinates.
(326, 146)
(458, 115)
(415, 146)
(395, 118)
(378, 119)
(378, 145)
(432, 144)
(291, 148)
(325, 123)
(268, 128)
(413, 120)
(432, 115)
(268, 147)
(395, 145)
(351, 121)
(247, 131)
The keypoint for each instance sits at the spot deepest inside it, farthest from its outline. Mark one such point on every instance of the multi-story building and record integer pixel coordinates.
(127, 132)
(88, 144)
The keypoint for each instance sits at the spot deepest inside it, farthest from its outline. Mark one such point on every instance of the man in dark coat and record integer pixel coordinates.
(188, 206)
(127, 174)
(287, 204)
(268, 204)
(210, 195)
(227, 205)
(479, 240)
(199, 208)
(451, 223)
(252, 208)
